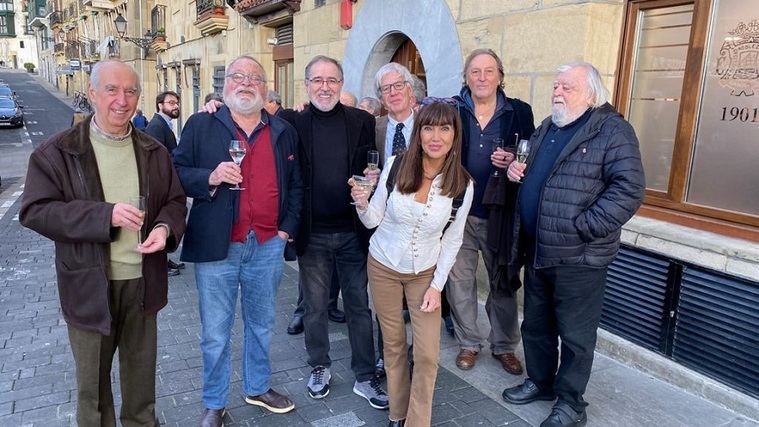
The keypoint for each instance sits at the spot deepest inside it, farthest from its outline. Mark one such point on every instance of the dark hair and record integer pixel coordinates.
(411, 172)
(162, 96)
(489, 52)
(212, 95)
(323, 58)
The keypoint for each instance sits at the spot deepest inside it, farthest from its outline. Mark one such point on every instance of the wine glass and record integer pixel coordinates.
(372, 163)
(139, 203)
(237, 152)
(364, 182)
(497, 143)
(523, 150)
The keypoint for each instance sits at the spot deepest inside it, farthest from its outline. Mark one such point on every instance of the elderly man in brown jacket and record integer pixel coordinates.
(110, 255)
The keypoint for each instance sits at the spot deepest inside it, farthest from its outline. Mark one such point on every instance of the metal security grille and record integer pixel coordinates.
(635, 296)
(716, 328)
(703, 319)
(284, 34)
(218, 79)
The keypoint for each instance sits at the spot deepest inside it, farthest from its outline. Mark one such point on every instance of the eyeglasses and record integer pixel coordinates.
(398, 86)
(240, 77)
(171, 102)
(318, 81)
(433, 100)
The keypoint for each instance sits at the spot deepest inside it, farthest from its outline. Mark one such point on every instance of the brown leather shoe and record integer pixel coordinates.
(510, 363)
(466, 359)
(273, 401)
(212, 418)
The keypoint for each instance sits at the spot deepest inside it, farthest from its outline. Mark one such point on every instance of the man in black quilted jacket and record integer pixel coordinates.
(582, 181)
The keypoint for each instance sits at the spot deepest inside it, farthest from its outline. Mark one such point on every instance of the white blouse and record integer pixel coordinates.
(409, 237)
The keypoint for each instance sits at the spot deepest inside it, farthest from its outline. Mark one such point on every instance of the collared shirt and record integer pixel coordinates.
(169, 120)
(408, 124)
(409, 237)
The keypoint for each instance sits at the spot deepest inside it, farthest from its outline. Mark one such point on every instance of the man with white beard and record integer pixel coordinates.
(334, 140)
(582, 181)
(237, 237)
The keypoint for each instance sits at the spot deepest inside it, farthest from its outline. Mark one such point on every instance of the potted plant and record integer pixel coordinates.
(218, 7)
(29, 67)
(160, 35)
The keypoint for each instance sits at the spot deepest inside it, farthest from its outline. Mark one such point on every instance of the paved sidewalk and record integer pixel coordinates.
(37, 386)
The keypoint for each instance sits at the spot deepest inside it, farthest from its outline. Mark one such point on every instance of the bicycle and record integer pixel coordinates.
(81, 103)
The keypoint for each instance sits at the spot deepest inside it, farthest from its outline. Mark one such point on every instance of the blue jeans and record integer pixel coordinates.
(325, 254)
(256, 269)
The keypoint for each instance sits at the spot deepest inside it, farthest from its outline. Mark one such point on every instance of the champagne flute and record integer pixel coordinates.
(523, 150)
(372, 159)
(365, 183)
(237, 152)
(497, 143)
(139, 203)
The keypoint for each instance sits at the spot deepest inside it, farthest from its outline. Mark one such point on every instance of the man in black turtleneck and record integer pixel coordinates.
(334, 140)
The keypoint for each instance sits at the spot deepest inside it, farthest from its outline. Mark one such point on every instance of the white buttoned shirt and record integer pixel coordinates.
(409, 236)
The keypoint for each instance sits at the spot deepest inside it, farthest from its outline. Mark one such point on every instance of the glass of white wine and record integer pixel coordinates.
(372, 159)
(523, 150)
(364, 182)
(237, 152)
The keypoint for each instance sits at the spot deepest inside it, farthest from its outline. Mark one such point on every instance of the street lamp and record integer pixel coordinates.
(121, 28)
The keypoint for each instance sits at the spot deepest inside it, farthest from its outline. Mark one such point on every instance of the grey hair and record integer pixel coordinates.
(323, 58)
(273, 96)
(389, 68)
(419, 88)
(374, 104)
(98, 68)
(249, 58)
(596, 88)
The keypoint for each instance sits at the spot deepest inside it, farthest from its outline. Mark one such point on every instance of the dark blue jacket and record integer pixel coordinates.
(205, 144)
(595, 186)
(160, 130)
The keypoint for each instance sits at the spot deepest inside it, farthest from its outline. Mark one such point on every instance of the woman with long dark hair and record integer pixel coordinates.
(420, 226)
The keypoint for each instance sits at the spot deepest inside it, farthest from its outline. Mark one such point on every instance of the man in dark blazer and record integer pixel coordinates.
(161, 126)
(334, 140)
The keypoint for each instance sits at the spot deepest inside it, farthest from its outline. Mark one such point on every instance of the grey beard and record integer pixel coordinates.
(242, 106)
(562, 118)
(328, 108)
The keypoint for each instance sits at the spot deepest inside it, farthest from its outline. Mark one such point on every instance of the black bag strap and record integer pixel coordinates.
(390, 185)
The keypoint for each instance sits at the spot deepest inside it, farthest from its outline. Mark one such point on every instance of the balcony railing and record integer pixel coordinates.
(211, 18)
(59, 48)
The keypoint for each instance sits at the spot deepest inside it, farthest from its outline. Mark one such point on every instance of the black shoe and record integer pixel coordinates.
(563, 415)
(448, 320)
(296, 325)
(336, 315)
(176, 265)
(399, 423)
(379, 368)
(173, 272)
(526, 392)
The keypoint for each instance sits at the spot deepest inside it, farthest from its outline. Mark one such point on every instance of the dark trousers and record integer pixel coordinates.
(134, 335)
(562, 302)
(343, 253)
(334, 291)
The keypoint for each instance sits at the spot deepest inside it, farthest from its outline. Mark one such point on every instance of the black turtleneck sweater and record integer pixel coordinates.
(330, 200)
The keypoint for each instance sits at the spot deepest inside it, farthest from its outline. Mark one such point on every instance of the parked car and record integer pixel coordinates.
(11, 113)
(7, 92)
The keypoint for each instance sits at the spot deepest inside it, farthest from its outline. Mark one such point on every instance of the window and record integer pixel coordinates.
(689, 85)
(195, 88)
(319, 3)
(21, 44)
(4, 25)
(218, 80)
(6, 5)
(158, 19)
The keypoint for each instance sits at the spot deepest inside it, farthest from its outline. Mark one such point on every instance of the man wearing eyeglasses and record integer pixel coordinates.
(334, 140)
(161, 126)
(237, 238)
(393, 131)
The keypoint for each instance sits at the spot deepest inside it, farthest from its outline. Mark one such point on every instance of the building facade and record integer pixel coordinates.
(17, 43)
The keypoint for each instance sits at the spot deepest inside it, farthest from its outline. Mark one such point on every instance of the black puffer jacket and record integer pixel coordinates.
(595, 186)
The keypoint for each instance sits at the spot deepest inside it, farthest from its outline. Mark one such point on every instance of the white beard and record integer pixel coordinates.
(561, 117)
(244, 105)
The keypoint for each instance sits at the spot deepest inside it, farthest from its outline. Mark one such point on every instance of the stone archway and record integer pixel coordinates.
(383, 25)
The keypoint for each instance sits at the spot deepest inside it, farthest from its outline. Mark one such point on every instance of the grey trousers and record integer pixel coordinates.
(462, 296)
